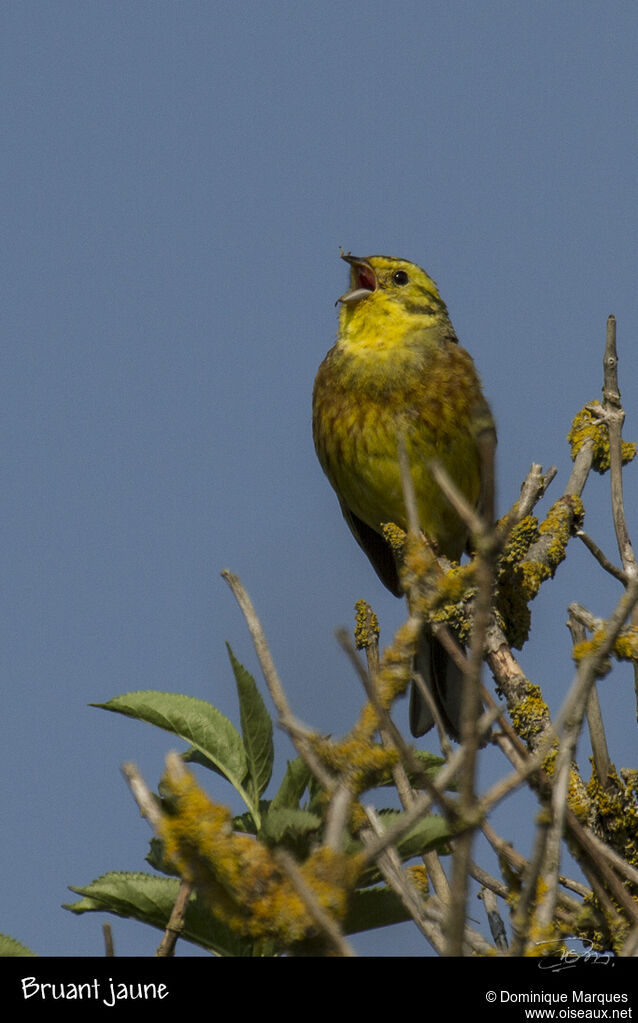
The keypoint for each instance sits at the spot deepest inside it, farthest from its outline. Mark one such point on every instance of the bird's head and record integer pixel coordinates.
(382, 281)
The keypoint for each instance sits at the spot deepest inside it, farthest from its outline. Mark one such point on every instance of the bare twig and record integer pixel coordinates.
(428, 915)
(602, 560)
(533, 488)
(409, 495)
(597, 737)
(389, 864)
(552, 839)
(605, 852)
(497, 927)
(630, 948)
(299, 734)
(469, 514)
(589, 668)
(522, 917)
(486, 550)
(581, 469)
(147, 802)
(175, 925)
(485, 541)
(614, 416)
(337, 817)
(109, 948)
(597, 860)
(518, 863)
(392, 738)
(323, 920)
(571, 713)
(368, 681)
(149, 807)
(426, 694)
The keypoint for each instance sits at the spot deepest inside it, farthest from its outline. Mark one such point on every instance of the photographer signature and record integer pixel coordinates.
(560, 958)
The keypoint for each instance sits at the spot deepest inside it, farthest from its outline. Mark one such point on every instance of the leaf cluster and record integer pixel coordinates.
(292, 820)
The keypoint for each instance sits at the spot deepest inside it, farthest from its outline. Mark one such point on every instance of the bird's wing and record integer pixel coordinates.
(444, 679)
(484, 430)
(377, 549)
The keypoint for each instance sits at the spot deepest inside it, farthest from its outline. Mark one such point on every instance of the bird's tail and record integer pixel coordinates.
(444, 680)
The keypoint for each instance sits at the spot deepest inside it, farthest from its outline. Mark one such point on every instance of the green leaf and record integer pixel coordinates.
(372, 908)
(430, 765)
(429, 833)
(10, 947)
(196, 721)
(156, 859)
(246, 823)
(290, 827)
(256, 726)
(294, 784)
(150, 900)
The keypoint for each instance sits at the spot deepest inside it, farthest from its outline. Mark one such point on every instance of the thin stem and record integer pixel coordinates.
(323, 920)
(175, 925)
(299, 734)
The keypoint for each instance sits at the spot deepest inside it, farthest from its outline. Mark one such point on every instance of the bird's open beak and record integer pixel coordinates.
(363, 280)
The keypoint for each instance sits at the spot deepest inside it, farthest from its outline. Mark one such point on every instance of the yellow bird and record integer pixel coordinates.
(397, 368)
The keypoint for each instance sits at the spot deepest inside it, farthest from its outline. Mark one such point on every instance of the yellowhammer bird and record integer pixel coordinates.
(397, 367)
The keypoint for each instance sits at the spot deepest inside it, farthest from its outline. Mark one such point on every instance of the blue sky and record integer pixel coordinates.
(177, 179)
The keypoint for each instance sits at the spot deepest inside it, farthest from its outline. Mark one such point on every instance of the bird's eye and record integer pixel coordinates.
(400, 278)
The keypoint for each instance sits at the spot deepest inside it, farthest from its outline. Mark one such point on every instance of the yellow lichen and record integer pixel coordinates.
(626, 645)
(364, 763)
(589, 647)
(238, 877)
(519, 541)
(588, 427)
(530, 714)
(531, 557)
(366, 629)
(625, 648)
(614, 813)
(395, 536)
(577, 796)
(603, 931)
(418, 875)
(561, 523)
